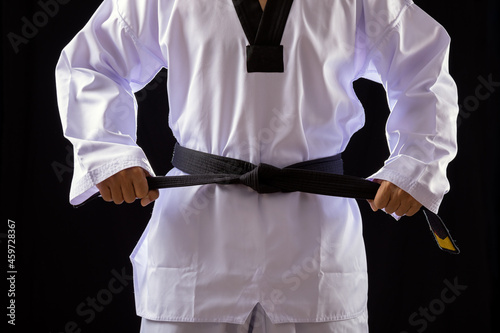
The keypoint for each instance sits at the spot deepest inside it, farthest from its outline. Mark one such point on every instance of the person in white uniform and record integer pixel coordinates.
(219, 258)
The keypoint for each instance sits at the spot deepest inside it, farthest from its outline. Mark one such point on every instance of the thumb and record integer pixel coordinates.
(372, 205)
(150, 197)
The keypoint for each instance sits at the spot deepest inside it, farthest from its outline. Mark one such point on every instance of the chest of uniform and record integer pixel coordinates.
(323, 25)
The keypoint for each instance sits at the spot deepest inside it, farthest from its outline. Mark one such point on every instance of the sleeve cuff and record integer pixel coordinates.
(420, 192)
(85, 187)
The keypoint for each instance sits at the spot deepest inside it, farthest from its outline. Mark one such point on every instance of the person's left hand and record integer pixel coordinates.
(394, 200)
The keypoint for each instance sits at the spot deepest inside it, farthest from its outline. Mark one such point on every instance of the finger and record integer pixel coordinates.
(383, 196)
(140, 183)
(105, 192)
(150, 197)
(406, 202)
(128, 192)
(372, 205)
(403, 210)
(116, 194)
(414, 209)
(392, 206)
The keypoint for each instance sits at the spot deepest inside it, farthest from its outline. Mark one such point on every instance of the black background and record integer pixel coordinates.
(67, 257)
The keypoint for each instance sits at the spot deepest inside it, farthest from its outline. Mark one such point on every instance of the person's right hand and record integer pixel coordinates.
(128, 185)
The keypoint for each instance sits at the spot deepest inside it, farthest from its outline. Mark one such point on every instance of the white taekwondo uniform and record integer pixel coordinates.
(211, 253)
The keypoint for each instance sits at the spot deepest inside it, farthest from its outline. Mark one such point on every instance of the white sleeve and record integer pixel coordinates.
(115, 54)
(410, 58)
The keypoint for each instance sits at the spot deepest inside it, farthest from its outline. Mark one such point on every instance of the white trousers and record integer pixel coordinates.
(258, 322)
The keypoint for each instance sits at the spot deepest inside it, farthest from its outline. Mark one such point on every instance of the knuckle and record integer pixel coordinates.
(136, 171)
(117, 199)
(120, 175)
(400, 211)
(141, 191)
(402, 194)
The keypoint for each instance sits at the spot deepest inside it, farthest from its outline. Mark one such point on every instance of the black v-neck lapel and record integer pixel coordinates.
(250, 15)
(273, 21)
(264, 30)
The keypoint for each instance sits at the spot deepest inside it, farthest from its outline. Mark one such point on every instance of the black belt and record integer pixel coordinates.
(320, 176)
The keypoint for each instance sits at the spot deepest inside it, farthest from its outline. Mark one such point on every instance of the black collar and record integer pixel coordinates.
(264, 30)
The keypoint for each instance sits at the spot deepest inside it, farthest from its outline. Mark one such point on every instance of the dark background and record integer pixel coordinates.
(67, 260)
